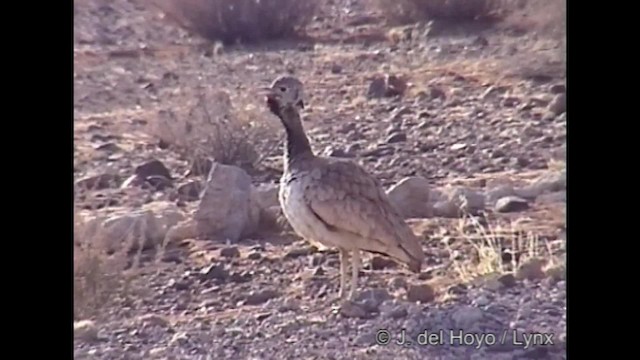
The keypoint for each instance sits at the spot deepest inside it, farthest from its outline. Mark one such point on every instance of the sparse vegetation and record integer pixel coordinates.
(406, 11)
(498, 249)
(246, 21)
(97, 274)
(211, 126)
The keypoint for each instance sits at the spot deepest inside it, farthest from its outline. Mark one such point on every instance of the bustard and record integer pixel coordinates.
(335, 203)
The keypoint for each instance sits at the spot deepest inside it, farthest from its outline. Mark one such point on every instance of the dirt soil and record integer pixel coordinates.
(478, 110)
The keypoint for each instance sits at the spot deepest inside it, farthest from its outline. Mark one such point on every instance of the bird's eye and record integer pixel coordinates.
(283, 89)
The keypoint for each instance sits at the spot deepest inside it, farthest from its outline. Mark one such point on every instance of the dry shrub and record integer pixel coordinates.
(97, 274)
(247, 21)
(408, 11)
(210, 126)
(543, 16)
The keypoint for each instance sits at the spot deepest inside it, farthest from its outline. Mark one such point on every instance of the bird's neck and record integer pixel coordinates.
(297, 143)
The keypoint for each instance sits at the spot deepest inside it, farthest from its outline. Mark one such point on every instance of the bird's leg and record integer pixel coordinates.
(355, 269)
(344, 261)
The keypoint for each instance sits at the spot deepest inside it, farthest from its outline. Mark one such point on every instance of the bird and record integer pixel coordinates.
(334, 202)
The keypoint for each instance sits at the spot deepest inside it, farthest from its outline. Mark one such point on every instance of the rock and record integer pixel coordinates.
(374, 297)
(230, 252)
(259, 297)
(511, 204)
(147, 226)
(498, 192)
(559, 104)
(466, 317)
(377, 88)
(300, 251)
(507, 280)
(387, 86)
(227, 210)
(380, 262)
(411, 197)
(336, 69)
(557, 88)
(266, 195)
(554, 197)
(200, 166)
(457, 201)
(557, 273)
(398, 283)
(154, 320)
(85, 330)
(254, 255)
(398, 312)
(99, 182)
(396, 137)
(152, 168)
(395, 86)
(190, 191)
(214, 272)
(531, 270)
(179, 339)
(350, 309)
(423, 293)
(550, 182)
(446, 209)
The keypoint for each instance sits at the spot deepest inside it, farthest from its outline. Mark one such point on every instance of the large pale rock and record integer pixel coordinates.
(411, 197)
(227, 209)
(126, 228)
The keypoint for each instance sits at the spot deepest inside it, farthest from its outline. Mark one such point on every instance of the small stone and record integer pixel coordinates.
(557, 273)
(559, 104)
(511, 204)
(154, 320)
(85, 330)
(230, 252)
(99, 182)
(446, 209)
(375, 296)
(213, 272)
(423, 293)
(467, 316)
(298, 252)
(153, 168)
(350, 309)
(190, 191)
(482, 300)
(254, 255)
(179, 338)
(554, 197)
(397, 283)
(531, 270)
(381, 262)
(336, 69)
(396, 138)
(260, 297)
(507, 280)
(398, 312)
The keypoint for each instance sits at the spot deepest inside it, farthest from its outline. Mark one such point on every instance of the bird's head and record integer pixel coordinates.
(285, 92)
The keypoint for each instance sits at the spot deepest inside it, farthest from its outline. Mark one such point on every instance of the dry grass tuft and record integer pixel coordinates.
(97, 273)
(489, 243)
(246, 21)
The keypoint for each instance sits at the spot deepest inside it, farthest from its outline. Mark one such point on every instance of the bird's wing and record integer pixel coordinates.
(345, 197)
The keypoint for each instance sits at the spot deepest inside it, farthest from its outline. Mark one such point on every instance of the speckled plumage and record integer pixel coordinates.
(335, 203)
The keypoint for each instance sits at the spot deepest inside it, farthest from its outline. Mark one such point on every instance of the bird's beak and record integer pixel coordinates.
(265, 91)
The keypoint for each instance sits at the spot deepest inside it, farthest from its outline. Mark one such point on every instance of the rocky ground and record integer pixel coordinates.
(467, 132)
